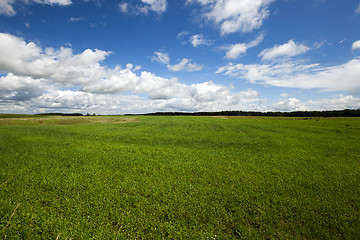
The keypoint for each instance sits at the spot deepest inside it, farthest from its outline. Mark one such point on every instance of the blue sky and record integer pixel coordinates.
(138, 56)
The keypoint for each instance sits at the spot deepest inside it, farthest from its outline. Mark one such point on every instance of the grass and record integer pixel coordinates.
(154, 177)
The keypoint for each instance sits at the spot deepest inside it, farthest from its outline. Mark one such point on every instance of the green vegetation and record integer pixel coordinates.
(173, 177)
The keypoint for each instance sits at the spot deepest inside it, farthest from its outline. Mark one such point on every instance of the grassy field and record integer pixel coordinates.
(154, 177)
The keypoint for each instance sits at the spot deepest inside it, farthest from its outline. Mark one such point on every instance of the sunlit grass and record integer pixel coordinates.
(179, 177)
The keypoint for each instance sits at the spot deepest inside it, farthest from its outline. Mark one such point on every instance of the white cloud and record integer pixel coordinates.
(143, 6)
(192, 98)
(220, 99)
(182, 34)
(357, 9)
(6, 6)
(123, 7)
(356, 45)
(20, 88)
(335, 102)
(288, 105)
(319, 44)
(52, 2)
(202, 2)
(289, 49)
(236, 50)
(158, 6)
(235, 15)
(43, 80)
(40, 80)
(284, 95)
(161, 57)
(75, 19)
(62, 66)
(342, 41)
(185, 64)
(198, 39)
(291, 74)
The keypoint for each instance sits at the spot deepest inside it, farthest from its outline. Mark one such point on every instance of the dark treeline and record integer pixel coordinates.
(335, 113)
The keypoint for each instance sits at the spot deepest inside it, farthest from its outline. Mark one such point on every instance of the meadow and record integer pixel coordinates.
(179, 177)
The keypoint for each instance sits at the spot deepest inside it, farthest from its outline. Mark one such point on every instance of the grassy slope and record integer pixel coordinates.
(181, 177)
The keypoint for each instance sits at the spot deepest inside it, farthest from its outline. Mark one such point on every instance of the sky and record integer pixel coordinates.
(142, 56)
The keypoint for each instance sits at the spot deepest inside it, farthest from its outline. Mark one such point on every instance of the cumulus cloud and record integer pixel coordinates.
(6, 6)
(75, 19)
(48, 80)
(235, 15)
(297, 74)
(158, 6)
(184, 65)
(77, 101)
(182, 34)
(28, 59)
(321, 44)
(51, 2)
(44, 80)
(357, 9)
(206, 96)
(236, 50)
(195, 40)
(289, 49)
(126, 80)
(335, 102)
(199, 39)
(202, 2)
(190, 98)
(143, 6)
(161, 57)
(288, 105)
(356, 45)
(20, 88)
(123, 7)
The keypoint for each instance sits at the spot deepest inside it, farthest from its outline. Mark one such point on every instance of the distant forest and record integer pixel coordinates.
(334, 113)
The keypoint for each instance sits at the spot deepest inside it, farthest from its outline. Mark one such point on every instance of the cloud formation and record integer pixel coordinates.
(7, 8)
(335, 102)
(356, 45)
(20, 88)
(51, 80)
(184, 65)
(143, 6)
(289, 49)
(75, 19)
(357, 9)
(199, 39)
(235, 15)
(236, 50)
(297, 74)
(58, 80)
(123, 7)
(61, 66)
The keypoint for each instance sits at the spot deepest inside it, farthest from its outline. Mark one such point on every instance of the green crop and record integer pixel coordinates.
(155, 177)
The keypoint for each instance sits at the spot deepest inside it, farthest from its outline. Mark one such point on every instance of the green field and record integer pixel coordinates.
(157, 177)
